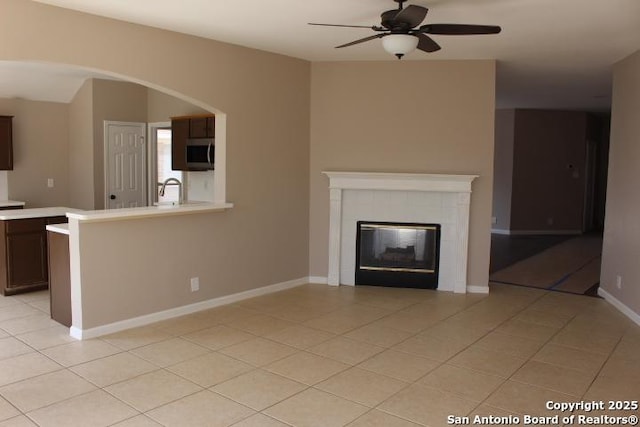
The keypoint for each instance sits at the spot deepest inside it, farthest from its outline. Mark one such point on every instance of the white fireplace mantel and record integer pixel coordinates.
(400, 181)
(435, 198)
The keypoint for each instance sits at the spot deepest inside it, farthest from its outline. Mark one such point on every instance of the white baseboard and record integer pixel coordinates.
(635, 317)
(146, 319)
(474, 289)
(536, 232)
(318, 279)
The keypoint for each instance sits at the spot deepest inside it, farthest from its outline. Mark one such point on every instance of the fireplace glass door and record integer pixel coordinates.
(397, 254)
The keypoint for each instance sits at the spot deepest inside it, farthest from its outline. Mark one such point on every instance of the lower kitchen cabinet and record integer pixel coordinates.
(23, 254)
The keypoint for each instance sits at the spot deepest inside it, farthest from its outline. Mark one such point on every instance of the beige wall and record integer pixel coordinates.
(161, 107)
(264, 239)
(81, 148)
(198, 245)
(40, 146)
(621, 249)
(410, 116)
(503, 169)
(113, 101)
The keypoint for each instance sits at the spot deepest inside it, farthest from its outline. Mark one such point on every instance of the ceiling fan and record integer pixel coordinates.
(401, 32)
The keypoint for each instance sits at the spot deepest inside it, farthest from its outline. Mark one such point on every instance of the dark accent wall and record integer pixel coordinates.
(558, 179)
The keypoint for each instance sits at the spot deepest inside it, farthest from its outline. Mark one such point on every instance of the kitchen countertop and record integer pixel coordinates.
(5, 203)
(58, 228)
(35, 213)
(148, 211)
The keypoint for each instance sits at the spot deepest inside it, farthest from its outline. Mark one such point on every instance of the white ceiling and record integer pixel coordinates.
(551, 53)
(42, 82)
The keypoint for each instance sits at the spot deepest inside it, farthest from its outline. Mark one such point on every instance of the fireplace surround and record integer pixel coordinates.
(400, 197)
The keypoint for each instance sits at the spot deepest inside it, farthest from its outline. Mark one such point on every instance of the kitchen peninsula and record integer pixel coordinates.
(116, 259)
(132, 266)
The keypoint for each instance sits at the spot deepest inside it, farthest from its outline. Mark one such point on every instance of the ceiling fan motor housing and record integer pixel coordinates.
(388, 21)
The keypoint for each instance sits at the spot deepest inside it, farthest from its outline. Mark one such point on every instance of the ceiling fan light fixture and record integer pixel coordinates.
(399, 44)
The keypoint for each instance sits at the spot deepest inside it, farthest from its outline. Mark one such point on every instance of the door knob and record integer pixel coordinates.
(112, 197)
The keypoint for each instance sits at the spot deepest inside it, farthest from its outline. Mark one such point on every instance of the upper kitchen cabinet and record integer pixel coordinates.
(194, 135)
(6, 143)
(179, 136)
(202, 127)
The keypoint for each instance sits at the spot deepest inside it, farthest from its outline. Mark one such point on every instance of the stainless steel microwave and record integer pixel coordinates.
(201, 153)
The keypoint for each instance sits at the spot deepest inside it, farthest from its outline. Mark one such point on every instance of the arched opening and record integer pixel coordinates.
(59, 113)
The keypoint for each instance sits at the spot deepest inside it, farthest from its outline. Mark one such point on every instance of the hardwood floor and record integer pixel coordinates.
(507, 250)
(516, 258)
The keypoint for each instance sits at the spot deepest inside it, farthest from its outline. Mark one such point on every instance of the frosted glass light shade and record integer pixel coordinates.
(399, 44)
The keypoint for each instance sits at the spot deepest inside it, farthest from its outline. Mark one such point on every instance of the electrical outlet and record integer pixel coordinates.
(195, 284)
(50, 182)
(494, 220)
(619, 282)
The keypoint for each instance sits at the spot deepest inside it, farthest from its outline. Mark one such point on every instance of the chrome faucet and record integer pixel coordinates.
(177, 182)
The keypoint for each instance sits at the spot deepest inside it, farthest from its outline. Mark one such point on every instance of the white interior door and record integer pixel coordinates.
(125, 165)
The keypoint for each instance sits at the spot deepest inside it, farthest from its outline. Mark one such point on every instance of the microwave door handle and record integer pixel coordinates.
(209, 154)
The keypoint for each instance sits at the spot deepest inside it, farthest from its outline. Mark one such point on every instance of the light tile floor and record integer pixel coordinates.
(323, 356)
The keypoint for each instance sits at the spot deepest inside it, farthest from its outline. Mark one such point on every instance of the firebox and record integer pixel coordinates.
(404, 255)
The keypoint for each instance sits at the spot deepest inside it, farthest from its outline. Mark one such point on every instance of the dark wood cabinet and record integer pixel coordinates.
(25, 246)
(179, 136)
(202, 127)
(23, 254)
(59, 277)
(56, 219)
(6, 143)
(185, 128)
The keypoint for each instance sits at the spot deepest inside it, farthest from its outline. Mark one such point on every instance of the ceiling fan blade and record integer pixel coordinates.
(459, 29)
(366, 39)
(426, 43)
(411, 15)
(340, 25)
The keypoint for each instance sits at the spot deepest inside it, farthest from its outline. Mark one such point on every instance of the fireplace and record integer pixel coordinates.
(404, 255)
(401, 198)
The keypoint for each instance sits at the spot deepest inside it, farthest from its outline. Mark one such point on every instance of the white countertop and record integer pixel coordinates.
(59, 228)
(35, 213)
(5, 203)
(148, 211)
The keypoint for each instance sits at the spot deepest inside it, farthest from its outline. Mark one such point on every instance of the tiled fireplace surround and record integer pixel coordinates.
(401, 197)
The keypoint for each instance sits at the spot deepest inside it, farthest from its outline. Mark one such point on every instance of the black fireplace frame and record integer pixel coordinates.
(401, 278)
